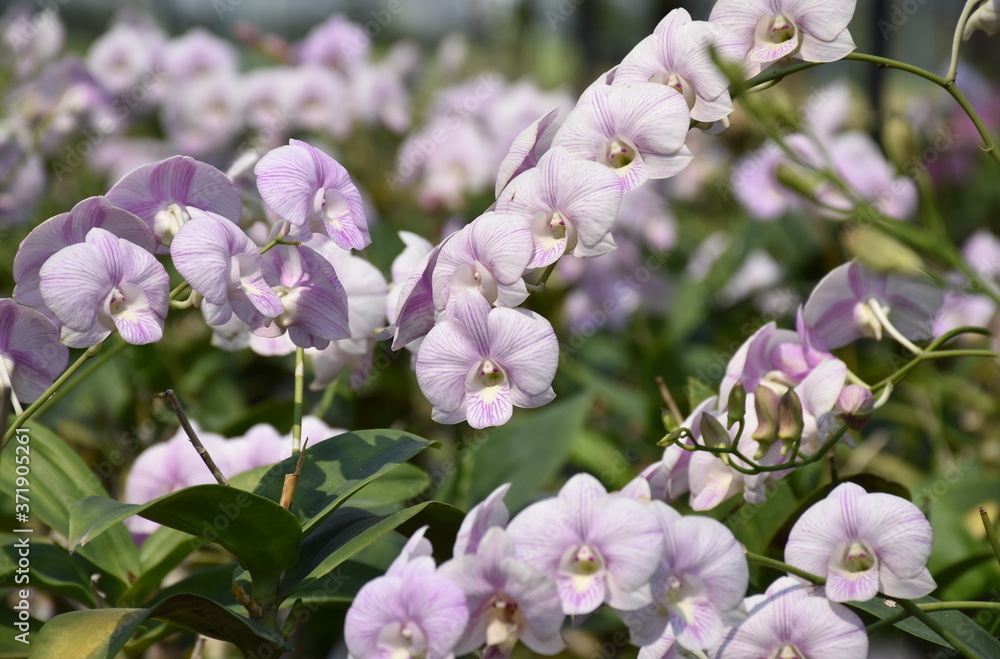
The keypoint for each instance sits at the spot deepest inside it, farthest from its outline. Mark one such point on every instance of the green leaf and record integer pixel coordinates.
(51, 567)
(162, 551)
(58, 478)
(346, 532)
(339, 586)
(335, 469)
(402, 483)
(102, 633)
(961, 625)
(260, 533)
(599, 455)
(527, 452)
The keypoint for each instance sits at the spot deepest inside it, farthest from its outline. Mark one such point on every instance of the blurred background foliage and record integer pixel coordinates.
(936, 441)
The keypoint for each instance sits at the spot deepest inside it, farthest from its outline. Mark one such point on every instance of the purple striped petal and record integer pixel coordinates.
(636, 130)
(525, 345)
(68, 229)
(152, 189)
(527, 148)
(308, 188)
(30, 348)
(844, 586)
(444, 361)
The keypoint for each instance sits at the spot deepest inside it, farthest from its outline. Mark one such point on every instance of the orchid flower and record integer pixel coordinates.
(161, 193)
(863, 543)
(32, 356)
(569, 204)
(636, 130)
(598, 547)
(852, 302)
(789, 622)
(222, 264)
(702, 576)
(508, 600)
(68, 229)
(488, 256)
(410, 613)
(313, 193)
(482, 361)
(772, 30)
(679, 55)
(104, 284)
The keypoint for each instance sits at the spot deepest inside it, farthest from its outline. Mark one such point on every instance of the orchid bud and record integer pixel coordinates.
(881, 253)
(798, 180)
(737, 404)
(670, 423)
(713, 434)
(790, 422)
(854, 405)
(673, 437)
(766, 406)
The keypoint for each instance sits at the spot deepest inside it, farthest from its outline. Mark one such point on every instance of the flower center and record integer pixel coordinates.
(618, 154)
(675, 81)
(289, 300)
(478, 276)
(402, 641)
(167, 222)
(858, 557)
(330, 206)
(787, 651)
(557, 225)
(782, 29)
(491, 374)
(866, 319)
(505, 621)
(586, 562)
(121, 302)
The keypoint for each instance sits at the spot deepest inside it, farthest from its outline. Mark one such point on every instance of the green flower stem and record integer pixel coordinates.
(913, 609)
(88, 354)
(991, 534)
(181, 287)
(945, 83)
(299, 393)
(329, 395)
(927, 354)
(755, 468)
(956, 42)
(784, 567)
(879, 625)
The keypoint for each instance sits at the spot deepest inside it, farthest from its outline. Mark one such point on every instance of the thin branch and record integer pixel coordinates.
(193, 436)
(669, 400)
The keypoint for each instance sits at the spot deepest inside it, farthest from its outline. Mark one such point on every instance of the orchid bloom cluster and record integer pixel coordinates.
(785, 395)
(67, 108)
(677, 582)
